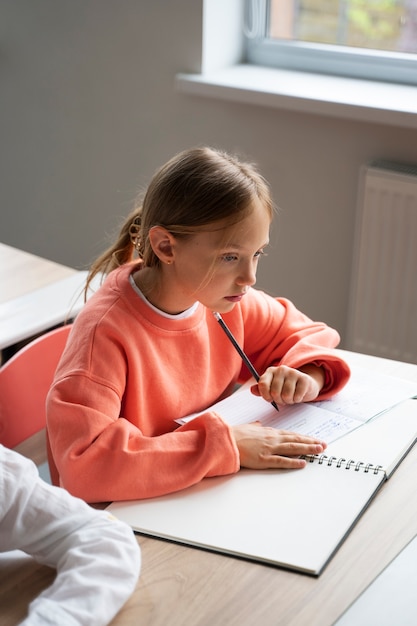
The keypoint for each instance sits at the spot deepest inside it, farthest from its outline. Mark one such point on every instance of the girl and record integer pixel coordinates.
(147, 350)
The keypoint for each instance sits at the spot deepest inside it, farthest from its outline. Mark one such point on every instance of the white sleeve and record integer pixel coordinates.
(97, 557)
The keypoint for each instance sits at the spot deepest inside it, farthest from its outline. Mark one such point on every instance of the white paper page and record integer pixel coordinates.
(292, 518)
(381, 441)
(367, 394)
(243, 407)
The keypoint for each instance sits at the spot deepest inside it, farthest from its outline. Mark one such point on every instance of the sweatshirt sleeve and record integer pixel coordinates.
(97, 557)
(114, 459)
(291, 338)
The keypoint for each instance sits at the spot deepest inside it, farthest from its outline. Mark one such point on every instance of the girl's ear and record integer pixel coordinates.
(162, 243)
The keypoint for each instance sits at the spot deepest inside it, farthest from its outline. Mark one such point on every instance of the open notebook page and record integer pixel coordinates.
(383, 440)
(366, 395)
(294, 519)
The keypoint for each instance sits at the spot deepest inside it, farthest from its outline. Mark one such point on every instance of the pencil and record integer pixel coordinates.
(240, 351)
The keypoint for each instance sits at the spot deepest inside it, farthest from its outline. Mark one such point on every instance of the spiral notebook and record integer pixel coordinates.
(295, 519)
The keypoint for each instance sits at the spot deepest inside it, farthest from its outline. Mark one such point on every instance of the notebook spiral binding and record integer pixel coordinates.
(323, 459)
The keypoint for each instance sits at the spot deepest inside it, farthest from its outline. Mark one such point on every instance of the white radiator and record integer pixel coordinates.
(383, 298)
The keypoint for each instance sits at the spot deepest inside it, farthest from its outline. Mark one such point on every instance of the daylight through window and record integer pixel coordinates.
(365, 38)
(377, 24)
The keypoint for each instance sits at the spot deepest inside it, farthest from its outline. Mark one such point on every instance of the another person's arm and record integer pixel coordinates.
(97, 557)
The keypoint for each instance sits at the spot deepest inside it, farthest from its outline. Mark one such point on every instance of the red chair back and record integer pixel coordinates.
(25, 380)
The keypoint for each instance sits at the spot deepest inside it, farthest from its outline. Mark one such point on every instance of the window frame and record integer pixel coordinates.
(392, 67)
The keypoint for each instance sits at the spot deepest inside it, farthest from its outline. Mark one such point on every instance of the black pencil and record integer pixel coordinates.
(240, 351)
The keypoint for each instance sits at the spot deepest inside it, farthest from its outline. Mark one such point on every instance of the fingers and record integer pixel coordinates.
(287, 444)
(286, 385)
(286, 455)
(262, 448)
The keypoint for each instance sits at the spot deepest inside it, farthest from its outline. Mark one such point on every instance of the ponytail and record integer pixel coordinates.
(124, 250)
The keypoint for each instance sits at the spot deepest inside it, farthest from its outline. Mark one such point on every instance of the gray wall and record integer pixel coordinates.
(89, 110)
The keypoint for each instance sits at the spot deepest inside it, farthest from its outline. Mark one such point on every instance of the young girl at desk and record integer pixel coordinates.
(147, 349)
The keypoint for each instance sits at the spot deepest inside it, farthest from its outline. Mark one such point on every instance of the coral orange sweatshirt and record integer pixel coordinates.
(128, 372)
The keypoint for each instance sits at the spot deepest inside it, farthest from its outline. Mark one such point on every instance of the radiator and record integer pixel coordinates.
(383, 299)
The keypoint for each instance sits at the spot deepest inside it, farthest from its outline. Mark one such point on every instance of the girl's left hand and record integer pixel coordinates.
(286, 385)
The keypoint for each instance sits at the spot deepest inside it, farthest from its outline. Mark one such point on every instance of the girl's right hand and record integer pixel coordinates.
(263, 447)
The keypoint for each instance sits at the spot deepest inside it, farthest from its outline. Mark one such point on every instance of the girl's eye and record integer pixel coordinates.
(229, 258)
(260, 253)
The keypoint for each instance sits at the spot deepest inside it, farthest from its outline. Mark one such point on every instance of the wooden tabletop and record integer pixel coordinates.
(183, 586)
(22, 272)
(35, 296)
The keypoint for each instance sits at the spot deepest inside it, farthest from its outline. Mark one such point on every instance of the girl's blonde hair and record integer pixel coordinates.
(198, 189)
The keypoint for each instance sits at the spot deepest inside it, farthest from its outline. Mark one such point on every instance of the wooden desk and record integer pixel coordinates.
(22, 272)
(181, 586)
(35, 296)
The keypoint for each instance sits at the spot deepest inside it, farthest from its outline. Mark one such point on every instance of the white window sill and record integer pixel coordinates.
(362, 100)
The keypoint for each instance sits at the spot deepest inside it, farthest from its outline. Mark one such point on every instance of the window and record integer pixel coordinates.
(374, 39)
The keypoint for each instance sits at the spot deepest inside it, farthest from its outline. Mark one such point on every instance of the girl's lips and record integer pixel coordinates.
(234, 298)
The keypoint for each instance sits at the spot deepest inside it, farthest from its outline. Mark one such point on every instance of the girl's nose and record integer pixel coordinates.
(247, 275)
